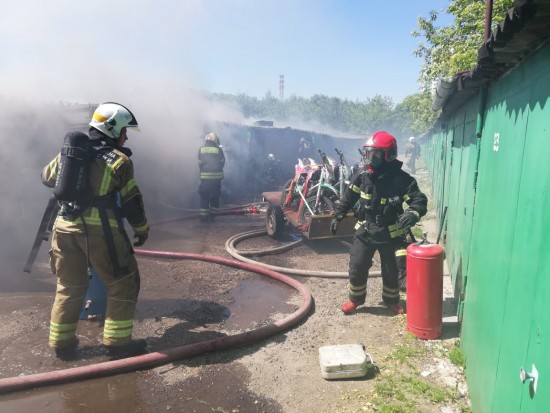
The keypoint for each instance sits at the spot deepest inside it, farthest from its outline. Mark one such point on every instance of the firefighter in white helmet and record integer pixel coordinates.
(211, 163)
(89, 233)
(412, 150)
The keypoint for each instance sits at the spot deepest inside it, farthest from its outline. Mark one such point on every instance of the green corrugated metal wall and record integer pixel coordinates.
(498, 233)
(452, 153)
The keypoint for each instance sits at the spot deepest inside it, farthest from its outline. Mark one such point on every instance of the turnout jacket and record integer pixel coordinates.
(111, 176)
(211, 161)
(378, 201)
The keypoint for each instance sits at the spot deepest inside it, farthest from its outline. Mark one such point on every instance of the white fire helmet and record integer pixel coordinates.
(111, 117)
(213, 138)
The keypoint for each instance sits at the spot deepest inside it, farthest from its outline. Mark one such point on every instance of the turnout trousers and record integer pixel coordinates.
(68, 262)
(209, 191)
(361, 254)
(400, 246)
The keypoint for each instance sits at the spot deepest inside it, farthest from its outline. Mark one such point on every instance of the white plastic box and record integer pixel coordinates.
(344, 361)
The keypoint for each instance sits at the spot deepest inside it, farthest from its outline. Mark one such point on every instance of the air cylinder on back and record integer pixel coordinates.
(424, 289)
(74, 165)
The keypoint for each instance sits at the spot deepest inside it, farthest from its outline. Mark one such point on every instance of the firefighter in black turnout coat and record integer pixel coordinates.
(381, 190)
(211, 163)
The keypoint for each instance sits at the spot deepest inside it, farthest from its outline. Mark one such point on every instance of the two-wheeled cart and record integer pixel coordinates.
(300, 216)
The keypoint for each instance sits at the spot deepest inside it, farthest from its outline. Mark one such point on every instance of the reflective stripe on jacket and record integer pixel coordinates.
(380, 198)
(211, 161)
(111, 172)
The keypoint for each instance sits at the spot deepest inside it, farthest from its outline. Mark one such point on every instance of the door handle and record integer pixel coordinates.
(532, 376)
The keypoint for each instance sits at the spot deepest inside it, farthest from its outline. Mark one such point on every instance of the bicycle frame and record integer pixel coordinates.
(344, 172)
(324, 181)
(304, 170)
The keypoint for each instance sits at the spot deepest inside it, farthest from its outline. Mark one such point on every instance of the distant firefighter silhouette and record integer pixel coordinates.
(412, 150)
(211, 163)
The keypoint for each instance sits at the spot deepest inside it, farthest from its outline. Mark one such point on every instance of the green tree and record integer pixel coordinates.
(450, 49)
(415, 115)
(343, 115)
(446, 51)
(378, 113)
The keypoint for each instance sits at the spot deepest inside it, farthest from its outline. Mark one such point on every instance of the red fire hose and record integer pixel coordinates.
(11, 384)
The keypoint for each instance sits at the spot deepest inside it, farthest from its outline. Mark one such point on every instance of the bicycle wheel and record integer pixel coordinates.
(327, 192)
(325, 207)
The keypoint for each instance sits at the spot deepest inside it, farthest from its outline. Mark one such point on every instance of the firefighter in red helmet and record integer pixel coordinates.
(381, 189)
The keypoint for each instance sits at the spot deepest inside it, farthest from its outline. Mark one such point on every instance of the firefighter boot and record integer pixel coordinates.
(67, 353)
(349, 306)
(395, 308)
(132, 349)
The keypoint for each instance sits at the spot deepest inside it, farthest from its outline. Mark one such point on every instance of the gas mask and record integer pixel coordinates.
(374, 157)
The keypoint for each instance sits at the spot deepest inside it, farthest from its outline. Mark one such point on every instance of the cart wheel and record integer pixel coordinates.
(325, 207)
(274, 221)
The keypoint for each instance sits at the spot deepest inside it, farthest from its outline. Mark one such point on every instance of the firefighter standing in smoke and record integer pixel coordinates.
(382, 224)
(413, 151)
(90, 234)
(211, 163)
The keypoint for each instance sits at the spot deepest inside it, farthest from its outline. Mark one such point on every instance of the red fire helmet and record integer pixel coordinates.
(381, 141)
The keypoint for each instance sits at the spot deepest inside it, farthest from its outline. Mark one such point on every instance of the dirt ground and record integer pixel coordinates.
(188, 301)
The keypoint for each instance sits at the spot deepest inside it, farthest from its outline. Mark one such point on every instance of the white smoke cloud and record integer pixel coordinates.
(56, 55)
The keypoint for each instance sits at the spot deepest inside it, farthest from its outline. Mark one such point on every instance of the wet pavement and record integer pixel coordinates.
(220, 390)
(181, 302)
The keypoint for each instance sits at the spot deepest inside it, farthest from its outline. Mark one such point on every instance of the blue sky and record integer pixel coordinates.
(76, 50)
(348, 49)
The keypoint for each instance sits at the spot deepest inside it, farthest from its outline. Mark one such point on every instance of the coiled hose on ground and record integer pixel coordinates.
(11, 384)
(230, 246)
(232, 241)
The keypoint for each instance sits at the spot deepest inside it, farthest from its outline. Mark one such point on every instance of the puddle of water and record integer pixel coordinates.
(217, 388)
(118, 393)
(255, 299)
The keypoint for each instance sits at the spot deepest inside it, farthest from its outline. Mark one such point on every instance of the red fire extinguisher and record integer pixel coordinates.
(424, 289)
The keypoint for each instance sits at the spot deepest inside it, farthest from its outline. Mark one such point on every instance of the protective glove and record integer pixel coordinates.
(334, 223)
(141, 239)
(409, 218)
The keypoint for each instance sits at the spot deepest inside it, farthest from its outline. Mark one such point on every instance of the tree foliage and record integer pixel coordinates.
(416, 113)
(447, 50)
(343, 115)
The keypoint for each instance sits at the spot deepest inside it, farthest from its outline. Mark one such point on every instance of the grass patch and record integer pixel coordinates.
(399, 387)
(406, 354)
(457, 357)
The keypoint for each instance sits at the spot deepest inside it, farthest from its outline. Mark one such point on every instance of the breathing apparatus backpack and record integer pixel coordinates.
(72, 185)
(73, 192)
